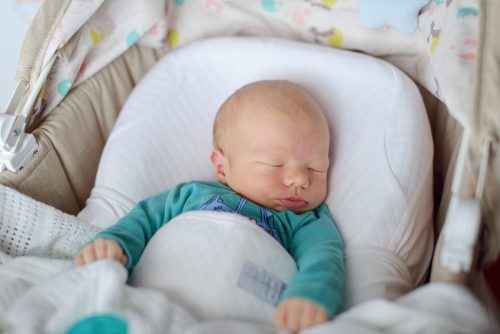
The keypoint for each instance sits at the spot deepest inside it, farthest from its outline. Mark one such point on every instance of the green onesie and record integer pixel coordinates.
(310, 237)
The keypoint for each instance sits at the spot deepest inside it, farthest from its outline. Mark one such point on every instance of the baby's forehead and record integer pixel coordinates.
(274, 100)
(267, 103)
(272, 91)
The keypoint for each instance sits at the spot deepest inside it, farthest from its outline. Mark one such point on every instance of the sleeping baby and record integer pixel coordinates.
(271, 158)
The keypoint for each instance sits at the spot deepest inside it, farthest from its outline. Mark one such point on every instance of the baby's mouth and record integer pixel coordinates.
(293, 203)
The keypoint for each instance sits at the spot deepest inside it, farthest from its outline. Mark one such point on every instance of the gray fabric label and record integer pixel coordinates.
(260, 283)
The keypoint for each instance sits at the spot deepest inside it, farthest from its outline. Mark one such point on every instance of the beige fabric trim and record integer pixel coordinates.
(446, 133)
(37, 38)
(487, 121)
(72, 137)
(35, 43)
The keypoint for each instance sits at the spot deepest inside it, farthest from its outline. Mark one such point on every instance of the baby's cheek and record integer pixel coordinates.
(270, 177)
(320, 189)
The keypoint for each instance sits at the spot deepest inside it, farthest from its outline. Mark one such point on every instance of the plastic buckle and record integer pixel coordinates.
(15, 161)
(461, 232)
(463, 220)
(16, 147)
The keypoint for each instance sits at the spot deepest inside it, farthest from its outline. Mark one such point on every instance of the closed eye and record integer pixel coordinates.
(272, 164)
(317, 170)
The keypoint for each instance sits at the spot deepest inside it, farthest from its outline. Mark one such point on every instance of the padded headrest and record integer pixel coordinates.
(380, 184)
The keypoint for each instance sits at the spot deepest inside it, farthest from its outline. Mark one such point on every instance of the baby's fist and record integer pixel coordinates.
(101, 249)
(296, 314)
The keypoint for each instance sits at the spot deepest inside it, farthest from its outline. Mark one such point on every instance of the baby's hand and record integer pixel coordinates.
(101, 249)
(296, 314)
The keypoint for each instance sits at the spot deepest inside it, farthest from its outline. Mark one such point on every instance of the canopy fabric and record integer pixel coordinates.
(88, 35)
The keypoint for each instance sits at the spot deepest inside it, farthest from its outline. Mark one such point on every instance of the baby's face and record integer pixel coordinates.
(278, 161)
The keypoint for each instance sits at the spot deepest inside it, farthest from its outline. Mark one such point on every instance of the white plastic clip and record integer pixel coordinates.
(460, 234)
(14, 157)
(16, 146)
(463, 219)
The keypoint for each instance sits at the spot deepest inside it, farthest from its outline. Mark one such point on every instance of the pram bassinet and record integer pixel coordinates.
(71, 132)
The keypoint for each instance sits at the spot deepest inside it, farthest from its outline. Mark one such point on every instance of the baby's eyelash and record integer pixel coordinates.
(281, 165)
(316, 170)
(273, 165)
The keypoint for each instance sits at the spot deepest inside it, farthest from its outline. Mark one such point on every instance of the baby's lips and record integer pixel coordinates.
(293, 202)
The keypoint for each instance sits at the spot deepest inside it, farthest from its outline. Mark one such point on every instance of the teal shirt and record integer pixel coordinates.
(311, 237)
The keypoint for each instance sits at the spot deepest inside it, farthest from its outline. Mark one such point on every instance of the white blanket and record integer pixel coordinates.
(56, 304)
(42, 292)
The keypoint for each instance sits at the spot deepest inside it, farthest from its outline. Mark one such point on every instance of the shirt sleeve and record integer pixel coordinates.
(134, 230)
(318, 251)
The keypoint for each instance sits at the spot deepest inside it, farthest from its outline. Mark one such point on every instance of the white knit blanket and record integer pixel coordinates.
(42, 292)
(36, 241)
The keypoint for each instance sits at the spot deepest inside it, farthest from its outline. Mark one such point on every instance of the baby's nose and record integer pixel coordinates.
(298, 177)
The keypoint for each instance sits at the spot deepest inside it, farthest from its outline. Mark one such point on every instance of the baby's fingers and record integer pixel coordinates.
(320, 317)
(287, 316)
(312, 315)
(279, 318)
(296, 314)
(101, 249)
(108, 249)
(123, 259)
(86, 255)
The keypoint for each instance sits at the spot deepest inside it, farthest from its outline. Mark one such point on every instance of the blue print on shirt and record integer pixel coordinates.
(216, 203)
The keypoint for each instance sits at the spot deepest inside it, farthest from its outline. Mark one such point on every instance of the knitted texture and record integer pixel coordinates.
(29, 227)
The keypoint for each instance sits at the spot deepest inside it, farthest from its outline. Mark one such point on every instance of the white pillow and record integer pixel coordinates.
(381, 179)
(198, 260)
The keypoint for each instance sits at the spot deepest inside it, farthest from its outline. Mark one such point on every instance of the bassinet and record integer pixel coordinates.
(75, 74)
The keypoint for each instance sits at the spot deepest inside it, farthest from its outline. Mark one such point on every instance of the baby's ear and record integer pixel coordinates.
(219, 161)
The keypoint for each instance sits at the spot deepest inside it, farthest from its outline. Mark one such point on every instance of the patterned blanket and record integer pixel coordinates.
(441, 55)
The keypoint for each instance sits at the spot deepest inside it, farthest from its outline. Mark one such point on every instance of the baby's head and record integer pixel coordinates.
(271, 146)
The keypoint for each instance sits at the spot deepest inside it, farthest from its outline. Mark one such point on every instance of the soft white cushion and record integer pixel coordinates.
(205, 269)
(381, 178)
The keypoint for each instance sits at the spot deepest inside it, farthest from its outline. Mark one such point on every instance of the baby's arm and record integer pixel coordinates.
(316, 289)
(101, 249)
(297, 314)
(126, 240)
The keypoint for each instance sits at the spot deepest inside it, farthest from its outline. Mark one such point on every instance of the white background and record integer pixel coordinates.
(15, 18)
